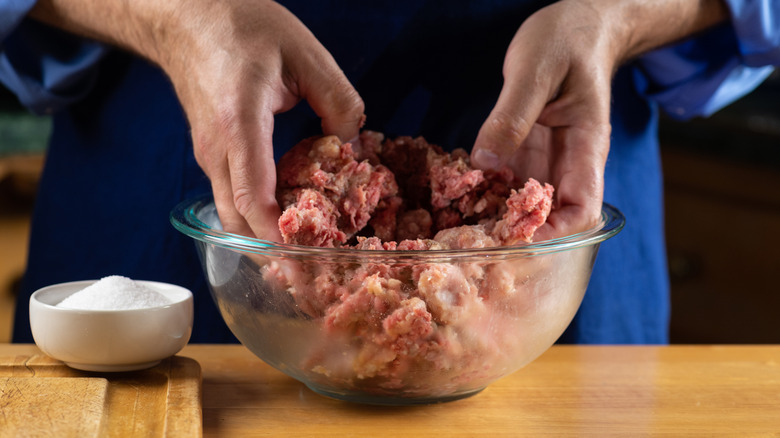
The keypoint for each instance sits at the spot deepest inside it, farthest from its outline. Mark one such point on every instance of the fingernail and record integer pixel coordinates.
(486, 159)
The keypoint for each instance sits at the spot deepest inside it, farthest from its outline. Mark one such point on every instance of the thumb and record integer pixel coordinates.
(509, 123)
(531, 80)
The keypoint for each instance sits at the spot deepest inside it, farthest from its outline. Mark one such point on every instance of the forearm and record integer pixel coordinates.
(640, 25)
(137, 26)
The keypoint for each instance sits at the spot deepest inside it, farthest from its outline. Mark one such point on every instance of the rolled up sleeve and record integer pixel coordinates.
(757, 27)
(46, 68)
(12, 12)
(703, 74)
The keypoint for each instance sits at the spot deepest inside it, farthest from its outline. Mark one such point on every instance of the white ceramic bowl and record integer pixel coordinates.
(110, 340)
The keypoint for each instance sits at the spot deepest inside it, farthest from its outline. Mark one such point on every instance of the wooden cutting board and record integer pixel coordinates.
(42, 397)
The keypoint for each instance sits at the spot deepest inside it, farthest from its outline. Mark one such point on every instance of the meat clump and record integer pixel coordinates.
(399, 189)
(409, 195)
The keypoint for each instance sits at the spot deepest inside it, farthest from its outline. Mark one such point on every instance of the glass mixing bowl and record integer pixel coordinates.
(394, 327)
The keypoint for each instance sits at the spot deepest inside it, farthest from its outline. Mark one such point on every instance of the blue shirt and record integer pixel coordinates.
(121, 154)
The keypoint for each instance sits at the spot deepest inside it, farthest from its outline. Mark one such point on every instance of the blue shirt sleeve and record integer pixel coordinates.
(46, 68)
(701, 75)
(757, 26)
(11, 14)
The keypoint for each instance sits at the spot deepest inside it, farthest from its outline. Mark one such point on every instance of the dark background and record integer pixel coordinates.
(722, 180)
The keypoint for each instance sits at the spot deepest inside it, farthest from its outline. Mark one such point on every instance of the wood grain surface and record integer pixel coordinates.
(40, 396)
(569, 391)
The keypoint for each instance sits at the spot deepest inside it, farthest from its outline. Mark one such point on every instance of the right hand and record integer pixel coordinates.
(244, 63)
(234, 65)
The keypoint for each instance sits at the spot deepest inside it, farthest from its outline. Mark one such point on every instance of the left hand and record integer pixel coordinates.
(552, 118)
(551, 121)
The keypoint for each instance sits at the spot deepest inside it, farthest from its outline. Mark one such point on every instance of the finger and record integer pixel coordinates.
(252, 176)
(533, 159)
(209, 145)
(527, 89)
(229, 217)
(578, 180)
(581, 141)
(332, 97)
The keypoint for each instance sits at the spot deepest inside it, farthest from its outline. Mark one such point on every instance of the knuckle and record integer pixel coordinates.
(244, 201)
(345, 100)
(511, 129)
(227, 121)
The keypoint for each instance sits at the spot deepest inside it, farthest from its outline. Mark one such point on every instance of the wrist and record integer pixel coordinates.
(638, 26)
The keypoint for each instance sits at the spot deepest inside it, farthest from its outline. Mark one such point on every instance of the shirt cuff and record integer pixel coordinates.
(699, 76)
(757, 27)
(48, 69)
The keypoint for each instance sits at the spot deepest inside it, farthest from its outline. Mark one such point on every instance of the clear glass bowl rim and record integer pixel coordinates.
(184, 217)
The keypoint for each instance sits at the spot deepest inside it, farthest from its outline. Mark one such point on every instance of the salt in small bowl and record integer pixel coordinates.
(111, 340)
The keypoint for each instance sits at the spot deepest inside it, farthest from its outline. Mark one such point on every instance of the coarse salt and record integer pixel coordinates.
(114, 293)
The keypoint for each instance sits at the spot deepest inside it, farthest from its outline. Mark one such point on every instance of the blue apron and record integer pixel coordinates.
(121, 158)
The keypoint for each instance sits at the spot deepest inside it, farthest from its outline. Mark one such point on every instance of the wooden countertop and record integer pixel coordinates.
(570, 390)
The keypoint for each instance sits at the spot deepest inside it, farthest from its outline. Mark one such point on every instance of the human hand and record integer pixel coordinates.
(234, 65)
(248, 63)
(552, 121)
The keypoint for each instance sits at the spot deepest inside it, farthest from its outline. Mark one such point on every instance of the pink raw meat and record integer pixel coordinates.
(404, 194)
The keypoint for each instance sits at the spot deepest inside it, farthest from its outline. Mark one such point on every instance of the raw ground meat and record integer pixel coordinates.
(398, 189)
(324, 172)
(401, 318)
